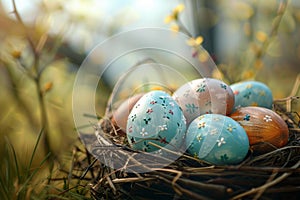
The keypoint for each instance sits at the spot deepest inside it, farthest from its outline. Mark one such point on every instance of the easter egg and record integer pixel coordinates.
(204, 96)
(252, 93)
(120, 115)
(265, 128)
(217, 139)
(157, 119)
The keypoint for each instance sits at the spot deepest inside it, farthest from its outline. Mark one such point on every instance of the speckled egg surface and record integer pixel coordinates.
(252, 93)
(203, 96)
(217, 139)
(156, 118)
(265, 128)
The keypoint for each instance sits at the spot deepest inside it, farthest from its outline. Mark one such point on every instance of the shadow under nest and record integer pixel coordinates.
(117, 171)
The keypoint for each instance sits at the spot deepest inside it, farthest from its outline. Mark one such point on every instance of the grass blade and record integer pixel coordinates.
(29, 178)
(14, 157)
(35, 148)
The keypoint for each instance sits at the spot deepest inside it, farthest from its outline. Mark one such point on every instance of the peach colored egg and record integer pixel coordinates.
(120, 115)
(265, 128)
(204, 96)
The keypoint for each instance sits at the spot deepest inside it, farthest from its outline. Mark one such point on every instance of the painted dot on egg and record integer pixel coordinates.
(222, 141)
(158, 120)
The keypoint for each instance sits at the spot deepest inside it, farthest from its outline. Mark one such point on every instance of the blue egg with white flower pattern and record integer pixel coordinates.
(252, 93)
(217, 139)
(156, 119)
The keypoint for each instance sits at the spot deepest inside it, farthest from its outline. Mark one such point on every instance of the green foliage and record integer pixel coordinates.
(16, 179)
(25, 181)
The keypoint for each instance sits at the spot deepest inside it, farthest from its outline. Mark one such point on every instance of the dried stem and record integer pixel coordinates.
(260, 192)
(31, 43)
(37, 78)
(274, 30)
(183, 28)
(267, 185)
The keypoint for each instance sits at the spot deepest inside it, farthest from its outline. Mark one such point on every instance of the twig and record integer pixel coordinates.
(260, 192)
(89, 168)
(180, 190)
(183, 28)
(268, 184)
(288, 100)
(131, 180)
(272, 152)
(280, 12)
(19, 18)
(296, 86)
(257, 169)
(111, 184)
(69, 189)
(178, 174)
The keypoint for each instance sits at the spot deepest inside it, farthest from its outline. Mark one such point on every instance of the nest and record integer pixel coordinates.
(118, 172)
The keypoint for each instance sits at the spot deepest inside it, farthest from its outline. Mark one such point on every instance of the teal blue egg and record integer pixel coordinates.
(217, 139)
(252, 93)
(156, 119)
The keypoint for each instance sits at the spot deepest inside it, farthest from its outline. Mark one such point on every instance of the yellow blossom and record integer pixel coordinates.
(47, 87)
(217, 74)
(16, 54)
(174, 15)
(261, 36)
(175, 28)
(179, 8)
(203, 56)
(248, 74)
(195, 42)
(169, 18)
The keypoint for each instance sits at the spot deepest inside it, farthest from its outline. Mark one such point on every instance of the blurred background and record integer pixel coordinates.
(43, 44)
